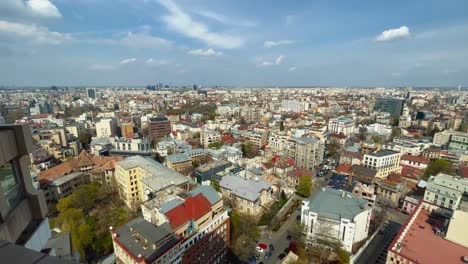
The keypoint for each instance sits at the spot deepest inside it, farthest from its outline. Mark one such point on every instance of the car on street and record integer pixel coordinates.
(259, 249)
(281, 256)
(253, 259)
(272, 248)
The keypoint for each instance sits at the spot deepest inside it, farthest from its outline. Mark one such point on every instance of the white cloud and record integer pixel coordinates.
(29, 8)
(35, 33)
(128, 61)
(271, 43)
(292, 69)
(393, 34)
(154, 62)
(207, 53)
(179, 21)
(278, 61)
(226, 20)
(43, 8)
(143, 40)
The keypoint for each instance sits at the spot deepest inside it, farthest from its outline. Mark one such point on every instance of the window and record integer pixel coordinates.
(10, 184)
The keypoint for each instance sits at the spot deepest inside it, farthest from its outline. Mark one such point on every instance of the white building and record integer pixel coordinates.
(445, 190)
(343, 125)
(209, 136)
(334, 215)
(383, 161)
(106, 127)
(291, 106)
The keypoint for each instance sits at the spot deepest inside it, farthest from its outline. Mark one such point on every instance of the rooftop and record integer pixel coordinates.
(417, 240)
(243, 187)
(337, 204)
(383, 153)
(178, 158)
(138, 236)
(192, 209)
(160, 175)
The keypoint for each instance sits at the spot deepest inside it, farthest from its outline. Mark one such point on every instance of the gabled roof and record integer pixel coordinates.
(193, 208)
(85, 159)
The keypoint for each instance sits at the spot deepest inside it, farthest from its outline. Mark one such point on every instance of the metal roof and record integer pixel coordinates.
(337, 204)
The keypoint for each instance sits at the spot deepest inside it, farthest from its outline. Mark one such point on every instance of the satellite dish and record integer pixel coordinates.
(147, 192)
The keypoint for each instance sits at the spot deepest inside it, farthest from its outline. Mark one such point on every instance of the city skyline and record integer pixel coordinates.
(134, 43)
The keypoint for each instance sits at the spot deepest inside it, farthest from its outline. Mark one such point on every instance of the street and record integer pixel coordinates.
(376, 251)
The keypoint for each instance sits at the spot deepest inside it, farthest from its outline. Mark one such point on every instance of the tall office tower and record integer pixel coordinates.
(159, 127)
(91, 93)
(393, 106)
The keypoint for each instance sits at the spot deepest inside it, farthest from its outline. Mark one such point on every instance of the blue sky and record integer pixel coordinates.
(239, 43)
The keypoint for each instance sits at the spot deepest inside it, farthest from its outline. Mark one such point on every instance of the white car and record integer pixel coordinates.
(259, 249)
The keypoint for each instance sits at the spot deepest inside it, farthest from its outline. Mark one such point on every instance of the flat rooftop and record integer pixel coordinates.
(420, 243)
(383, 153)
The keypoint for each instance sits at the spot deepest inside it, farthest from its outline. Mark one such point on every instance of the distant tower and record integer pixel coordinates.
(91, 93)
(459, 88)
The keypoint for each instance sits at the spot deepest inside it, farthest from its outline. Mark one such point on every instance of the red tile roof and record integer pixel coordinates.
(411, 172)
(297, 173)
(417, 159)
(344, 168)
(422, 245)
(193, 208)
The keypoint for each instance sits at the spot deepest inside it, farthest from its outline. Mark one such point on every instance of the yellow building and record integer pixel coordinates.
(137, 175)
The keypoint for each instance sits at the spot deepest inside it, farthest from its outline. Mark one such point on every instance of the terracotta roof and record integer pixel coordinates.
(411, 172)
(343, 168)
(193, 208)
(297, 173)
(417, 159)
(340, 136)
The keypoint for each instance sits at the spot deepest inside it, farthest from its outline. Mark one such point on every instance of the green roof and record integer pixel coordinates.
(337, 204)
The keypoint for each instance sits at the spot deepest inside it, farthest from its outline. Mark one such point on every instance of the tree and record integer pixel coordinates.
(377, 139)
(396, 132)
(304, 188)
(437, 166)
(85, 137)
(332, 149)
(395, 121)
(244, 233)
(216, 145)
(10, 118)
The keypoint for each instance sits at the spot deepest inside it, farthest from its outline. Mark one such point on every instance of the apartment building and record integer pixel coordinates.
(341, 125)
(246, 195)
(415, 161)
(191, 228)
(367, 192)
(209, 136)
(446, 191)
(331, 216)
(383, 161)
(308, 152)
(159, 127)
(106, 127)
(181, 163)
(127, 129)
(131, 147)
(138, 175)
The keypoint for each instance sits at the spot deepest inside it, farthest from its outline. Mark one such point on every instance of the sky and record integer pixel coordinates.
(235, 43)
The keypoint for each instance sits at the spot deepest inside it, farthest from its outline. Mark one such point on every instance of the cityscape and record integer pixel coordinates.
(196, 132)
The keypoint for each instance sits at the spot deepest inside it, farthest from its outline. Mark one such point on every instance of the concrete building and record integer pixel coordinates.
(459, 142)
(106, 127)
(342, 125)
(209, 136)
(131, 147)
(446, 191)
(410, 204)
(335, 216)
(23, 208)
(384, 162)
(181, 163)
(415, 161)
(308, 152)
(137, 175)
(291, 106)
(246, 195)
(393, 106)
(127, 129)
(159, 127)
(367, 192)
(403, 148)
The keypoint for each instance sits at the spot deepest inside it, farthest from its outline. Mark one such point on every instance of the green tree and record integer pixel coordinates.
(332, 149)
(216, 145)
(377, 139)
(85, 137)
(304, 188)
(10, 118)
(438, 165)
(396, 132)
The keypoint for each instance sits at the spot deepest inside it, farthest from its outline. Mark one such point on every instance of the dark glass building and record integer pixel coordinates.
(393, 106)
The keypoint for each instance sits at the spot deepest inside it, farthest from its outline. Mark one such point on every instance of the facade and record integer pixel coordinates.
(127, 129)
(91, 93)
(246, 195)
(446, 191)
(393, 106)
(131, 147)
(459, 142)
(159, 127)
(209, 136)
(410, 204)
(106, 127)
(291, 106)
(193, 229)
(403, 148)
(137, 175)
(367, 192)
(333, 215)
(308, 153)
(181, 163)
(66, 185)
(389, 192)
(341, 125)
(384, 162)
(209, 171)
(415, 161)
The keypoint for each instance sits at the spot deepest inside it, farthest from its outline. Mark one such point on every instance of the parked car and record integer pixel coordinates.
(281, 256)
(272, 248)
(259, 249)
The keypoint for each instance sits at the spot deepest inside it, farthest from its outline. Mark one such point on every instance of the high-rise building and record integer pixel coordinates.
(393, 106)
(91, 93)
(106, 127)
(159, 127)
(309, 152)
(23, 208)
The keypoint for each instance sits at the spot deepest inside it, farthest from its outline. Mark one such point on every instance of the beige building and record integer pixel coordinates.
(384, 162)
(140, 178)
(457, 231)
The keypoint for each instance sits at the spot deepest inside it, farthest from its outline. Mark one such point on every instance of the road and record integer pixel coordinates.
(278, 238)
(376, 251)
